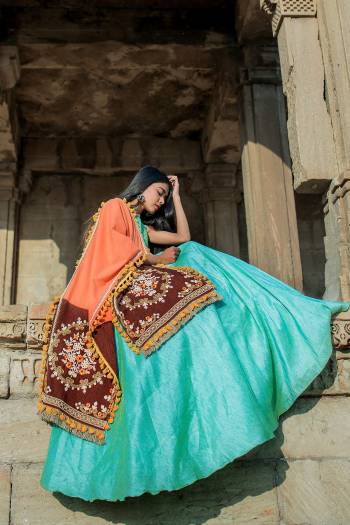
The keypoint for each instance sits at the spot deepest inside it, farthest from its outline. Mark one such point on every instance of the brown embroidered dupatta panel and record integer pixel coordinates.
(158, 302)
(79, 388)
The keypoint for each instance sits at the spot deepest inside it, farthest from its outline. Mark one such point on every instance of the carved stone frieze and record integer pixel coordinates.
(35, 325)
(24, 372)
(22, 329)
(279, 9)
(35, 333)
(341, 331)
(13, 326)
(13, 333)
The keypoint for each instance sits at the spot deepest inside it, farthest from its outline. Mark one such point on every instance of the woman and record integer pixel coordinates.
(195, 352)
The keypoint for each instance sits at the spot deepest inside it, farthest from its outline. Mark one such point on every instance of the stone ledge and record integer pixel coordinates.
(21, 337)
(21, 327)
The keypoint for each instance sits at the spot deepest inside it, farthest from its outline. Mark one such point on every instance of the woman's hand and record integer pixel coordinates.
(175, 184)
(169, 255)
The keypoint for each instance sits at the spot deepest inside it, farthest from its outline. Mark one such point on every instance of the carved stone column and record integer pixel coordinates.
(9, 195)
(337, 240)
(267, 180)
(310, 131)
(220, 199)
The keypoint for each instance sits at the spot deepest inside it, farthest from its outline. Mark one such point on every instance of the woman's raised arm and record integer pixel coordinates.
(182, 229)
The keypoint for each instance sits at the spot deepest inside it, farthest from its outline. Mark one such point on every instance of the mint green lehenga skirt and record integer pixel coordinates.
(211, 393)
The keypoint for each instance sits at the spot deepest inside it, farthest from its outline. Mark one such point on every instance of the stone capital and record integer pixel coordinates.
(280, 9)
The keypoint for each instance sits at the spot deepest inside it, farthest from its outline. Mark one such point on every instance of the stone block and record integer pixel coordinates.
(23, 435)
(13, 325)
(311, 428)
(236, 494)
(314, 492)
(333, 380)
(13, 313)
(4, 375)
(5, 493)
(24, 373)
(317, 428)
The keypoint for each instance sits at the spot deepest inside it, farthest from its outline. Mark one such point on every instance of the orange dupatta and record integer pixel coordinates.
(79, 388)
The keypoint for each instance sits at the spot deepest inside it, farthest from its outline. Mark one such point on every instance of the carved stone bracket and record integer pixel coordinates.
(341, 331)
(279, 9)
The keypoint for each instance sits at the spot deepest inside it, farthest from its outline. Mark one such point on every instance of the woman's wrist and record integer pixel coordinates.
(154, 259)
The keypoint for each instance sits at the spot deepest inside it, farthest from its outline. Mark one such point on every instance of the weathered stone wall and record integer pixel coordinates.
(300, 477)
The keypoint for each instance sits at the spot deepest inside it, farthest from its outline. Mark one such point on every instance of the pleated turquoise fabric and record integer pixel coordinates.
(211, 393)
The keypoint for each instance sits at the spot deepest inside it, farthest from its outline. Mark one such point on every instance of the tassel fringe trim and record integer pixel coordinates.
(46, 338)
(55, 416)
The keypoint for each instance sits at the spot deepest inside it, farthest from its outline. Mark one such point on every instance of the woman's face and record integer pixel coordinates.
(155, 196)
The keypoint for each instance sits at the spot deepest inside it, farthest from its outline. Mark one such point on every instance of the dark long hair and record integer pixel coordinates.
(164, 218)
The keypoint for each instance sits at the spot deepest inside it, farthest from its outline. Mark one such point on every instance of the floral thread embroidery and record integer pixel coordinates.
(76, 356)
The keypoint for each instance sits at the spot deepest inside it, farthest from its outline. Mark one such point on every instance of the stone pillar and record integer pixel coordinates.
(309, 124)
(337, 240)
(220, 199)
(333, 21)
(9, 195)
(267, 180)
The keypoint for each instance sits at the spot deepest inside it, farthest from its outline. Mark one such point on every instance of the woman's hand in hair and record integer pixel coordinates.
(175, 184)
